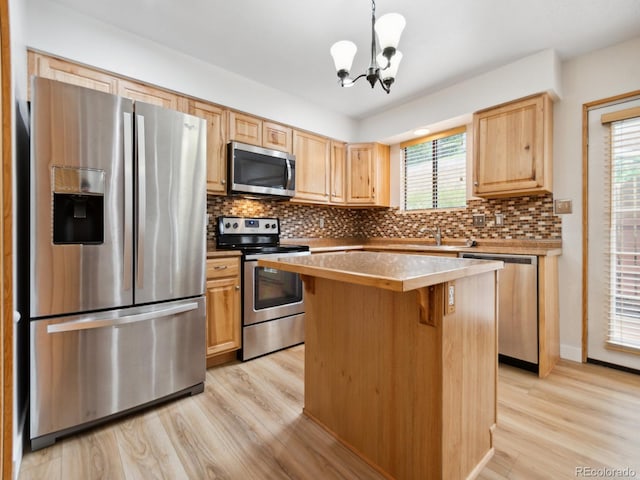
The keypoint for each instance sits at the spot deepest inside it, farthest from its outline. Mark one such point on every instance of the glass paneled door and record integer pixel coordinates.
(614, 234)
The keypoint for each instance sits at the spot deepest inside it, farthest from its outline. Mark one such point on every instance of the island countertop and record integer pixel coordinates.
(399, 272)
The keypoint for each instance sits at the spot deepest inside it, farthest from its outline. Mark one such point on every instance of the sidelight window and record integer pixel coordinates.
(622, 194)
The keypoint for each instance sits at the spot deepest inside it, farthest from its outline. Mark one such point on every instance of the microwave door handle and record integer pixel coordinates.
(289, 176)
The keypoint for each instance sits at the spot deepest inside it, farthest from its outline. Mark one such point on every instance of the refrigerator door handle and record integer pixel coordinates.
(142, 200)
(76, 325)
(128, 199)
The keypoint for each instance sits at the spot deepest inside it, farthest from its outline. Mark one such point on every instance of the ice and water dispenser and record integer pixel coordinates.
(78, 205)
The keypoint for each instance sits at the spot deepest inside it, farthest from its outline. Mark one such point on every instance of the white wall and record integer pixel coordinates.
(533, 74)
(593, 76)
(54, 29)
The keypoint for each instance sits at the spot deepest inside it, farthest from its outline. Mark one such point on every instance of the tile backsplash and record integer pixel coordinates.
(525, 218)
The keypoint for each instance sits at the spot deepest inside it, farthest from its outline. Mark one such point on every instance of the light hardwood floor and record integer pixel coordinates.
(248, 425)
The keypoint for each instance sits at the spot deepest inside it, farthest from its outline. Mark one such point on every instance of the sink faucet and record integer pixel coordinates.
(437, 235)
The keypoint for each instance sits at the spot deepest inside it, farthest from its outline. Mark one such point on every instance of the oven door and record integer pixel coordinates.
(271, 293)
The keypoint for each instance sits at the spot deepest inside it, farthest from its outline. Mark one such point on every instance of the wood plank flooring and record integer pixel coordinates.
(248, 425)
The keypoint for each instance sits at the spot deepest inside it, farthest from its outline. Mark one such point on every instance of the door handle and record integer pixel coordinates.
(288, 174)
(76, 325)
(142, 201)
(128, 199)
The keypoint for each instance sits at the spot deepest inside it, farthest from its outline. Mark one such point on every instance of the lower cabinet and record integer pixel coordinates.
(223, 309)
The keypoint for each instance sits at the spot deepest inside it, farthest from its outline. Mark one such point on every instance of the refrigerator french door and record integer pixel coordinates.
(117, 256)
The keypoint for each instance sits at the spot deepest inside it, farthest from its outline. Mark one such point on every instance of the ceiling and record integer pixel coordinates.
(285, 43)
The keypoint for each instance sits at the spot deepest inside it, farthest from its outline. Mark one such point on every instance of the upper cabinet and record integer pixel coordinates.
(255, 131)
(216, 145)
(277, 136)
(367, 174)
(62, 71)
(68, 72)
(152, 95)
(312, 167)
(513, 148)
(245, 128)
(337, 174)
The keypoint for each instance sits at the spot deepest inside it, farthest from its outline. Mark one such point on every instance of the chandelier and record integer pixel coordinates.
(384, 65)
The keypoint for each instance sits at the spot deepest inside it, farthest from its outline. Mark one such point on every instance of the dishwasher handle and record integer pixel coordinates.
(520, 259)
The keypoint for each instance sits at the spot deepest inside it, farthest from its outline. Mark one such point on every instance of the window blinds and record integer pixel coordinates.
(622, 211)
(435, 172)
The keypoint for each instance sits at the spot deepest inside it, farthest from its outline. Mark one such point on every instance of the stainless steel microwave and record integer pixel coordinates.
(260, 171)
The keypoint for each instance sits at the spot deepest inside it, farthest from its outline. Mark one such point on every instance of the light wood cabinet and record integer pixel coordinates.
(216, 146)
(62, 71)
(75, 74)
(245, 128)
(338, 165)
(313, 167)
(367, 174)
(152, 95)
(277, 136)
(223, 307)
(513, 148)
(255, 131)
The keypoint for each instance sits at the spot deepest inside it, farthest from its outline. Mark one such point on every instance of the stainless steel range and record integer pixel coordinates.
(273, 300)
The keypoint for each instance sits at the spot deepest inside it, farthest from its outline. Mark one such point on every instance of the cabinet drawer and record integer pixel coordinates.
(223, 267)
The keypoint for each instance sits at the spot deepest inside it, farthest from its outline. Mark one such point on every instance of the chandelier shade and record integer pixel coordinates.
(384, 60)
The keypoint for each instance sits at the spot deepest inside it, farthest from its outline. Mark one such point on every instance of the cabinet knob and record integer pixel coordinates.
(223, 182)
(237, 287)
(220, 267)
(475, 184)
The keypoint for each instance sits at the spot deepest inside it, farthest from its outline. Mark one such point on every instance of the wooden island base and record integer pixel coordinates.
(401, 378)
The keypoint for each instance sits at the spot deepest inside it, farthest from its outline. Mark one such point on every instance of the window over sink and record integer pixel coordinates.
(435, 171)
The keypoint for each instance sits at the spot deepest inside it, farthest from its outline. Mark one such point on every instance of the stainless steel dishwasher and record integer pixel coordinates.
(517, 308)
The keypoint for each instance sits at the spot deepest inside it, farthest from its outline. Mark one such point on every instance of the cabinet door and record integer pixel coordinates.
(216, 146)
(54, 69)
(277, 136)
(312, 167)
(361, 174)
(223, 315)
(245, 128)
(338, 165)
(147, 94)
(513, 148)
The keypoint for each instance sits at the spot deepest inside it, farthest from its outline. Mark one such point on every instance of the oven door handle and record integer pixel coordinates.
(76, 325)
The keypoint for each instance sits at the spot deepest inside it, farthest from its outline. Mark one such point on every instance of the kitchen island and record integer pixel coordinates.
(401, 358)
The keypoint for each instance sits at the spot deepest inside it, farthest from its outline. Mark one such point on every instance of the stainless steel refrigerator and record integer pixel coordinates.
(117, 257)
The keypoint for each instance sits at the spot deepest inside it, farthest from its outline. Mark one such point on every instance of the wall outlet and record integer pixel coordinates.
(499, 219)
(321, 222)
(478, 220)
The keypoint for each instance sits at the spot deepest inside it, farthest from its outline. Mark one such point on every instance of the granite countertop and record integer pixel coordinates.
(513, 247)
(392, 271)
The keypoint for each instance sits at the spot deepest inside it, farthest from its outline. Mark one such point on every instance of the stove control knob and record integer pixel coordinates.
(227, 225)
(267, 226)
(273, 225)
(235, 225)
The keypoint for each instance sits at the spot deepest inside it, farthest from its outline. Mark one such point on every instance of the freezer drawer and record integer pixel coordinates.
(87, 367)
